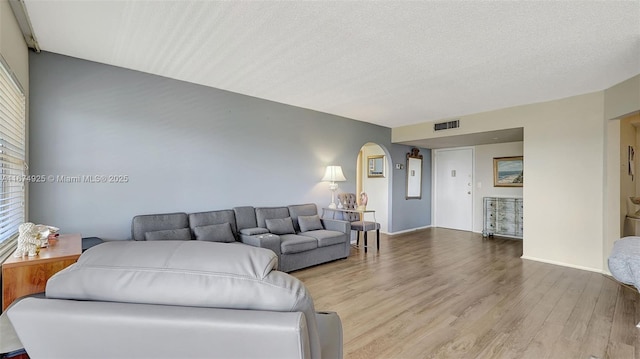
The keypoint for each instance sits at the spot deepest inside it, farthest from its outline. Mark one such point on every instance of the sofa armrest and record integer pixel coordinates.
(105, 330)
(9, 341)
(330, 333)
(268, 241)
(337, 225)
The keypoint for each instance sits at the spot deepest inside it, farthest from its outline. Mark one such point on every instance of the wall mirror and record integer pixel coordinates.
(376, 166)
(414, 174)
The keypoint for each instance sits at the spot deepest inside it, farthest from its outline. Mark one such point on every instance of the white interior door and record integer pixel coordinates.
(453, 204)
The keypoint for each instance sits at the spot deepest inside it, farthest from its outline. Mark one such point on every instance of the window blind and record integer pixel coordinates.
(12, 156)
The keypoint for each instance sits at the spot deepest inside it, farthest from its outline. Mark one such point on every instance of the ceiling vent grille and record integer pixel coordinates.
(446, 125)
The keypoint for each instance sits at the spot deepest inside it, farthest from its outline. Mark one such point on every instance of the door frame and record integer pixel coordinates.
(434, 180)
(384, 216)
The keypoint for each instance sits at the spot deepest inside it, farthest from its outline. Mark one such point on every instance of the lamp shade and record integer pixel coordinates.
(334, 174)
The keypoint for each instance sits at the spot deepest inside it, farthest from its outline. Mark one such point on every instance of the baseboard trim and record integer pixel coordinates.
(407, 230)
(596, 270)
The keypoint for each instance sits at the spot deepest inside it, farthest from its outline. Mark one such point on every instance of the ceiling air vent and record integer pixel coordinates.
(446, 125)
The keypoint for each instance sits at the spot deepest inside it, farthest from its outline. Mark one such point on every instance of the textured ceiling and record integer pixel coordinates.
(388, 63)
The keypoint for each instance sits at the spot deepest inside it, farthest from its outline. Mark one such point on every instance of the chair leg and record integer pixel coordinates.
(365, 241)
(357, 238)
(378, 239)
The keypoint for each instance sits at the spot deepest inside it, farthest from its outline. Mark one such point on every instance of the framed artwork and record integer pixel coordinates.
(375, 166)
(631, 156)
(508, 172)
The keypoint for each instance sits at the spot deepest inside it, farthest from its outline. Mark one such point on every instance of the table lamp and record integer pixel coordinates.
(333, 174)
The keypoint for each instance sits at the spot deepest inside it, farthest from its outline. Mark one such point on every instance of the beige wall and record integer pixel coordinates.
(621, 100)
(612, 213)
(483, 177)
(564, 152)
(12, 46)
(480, 122)
(628, 137)
(563, 149)
(14, 51)
(636, 120)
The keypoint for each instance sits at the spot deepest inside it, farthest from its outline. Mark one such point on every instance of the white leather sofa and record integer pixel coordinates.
(175, 299)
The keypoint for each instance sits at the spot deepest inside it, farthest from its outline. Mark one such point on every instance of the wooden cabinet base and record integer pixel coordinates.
(20, 355)
(28, 275)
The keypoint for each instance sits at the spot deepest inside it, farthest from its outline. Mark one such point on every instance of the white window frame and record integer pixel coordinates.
(13, 165)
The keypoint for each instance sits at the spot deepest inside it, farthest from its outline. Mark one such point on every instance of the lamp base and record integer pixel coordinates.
(332, 205)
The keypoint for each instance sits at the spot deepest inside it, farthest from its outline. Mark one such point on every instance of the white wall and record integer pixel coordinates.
(377, 188)
(484, 177)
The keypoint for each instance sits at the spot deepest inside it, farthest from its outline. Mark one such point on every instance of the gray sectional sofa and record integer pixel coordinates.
(297, 235)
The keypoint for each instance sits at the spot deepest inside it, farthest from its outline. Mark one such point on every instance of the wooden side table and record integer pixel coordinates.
(28, 275)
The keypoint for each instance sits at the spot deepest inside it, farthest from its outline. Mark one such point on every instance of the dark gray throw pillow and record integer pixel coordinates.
(280, 225)
(182, 234)
(309, 223)
(215, 233)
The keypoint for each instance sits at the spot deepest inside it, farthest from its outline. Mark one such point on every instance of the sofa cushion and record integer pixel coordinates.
(309, 223)
(254, 231)
(245, 217)
(298, 210)
(295, 243)
(213, 217)
(182, 234)
(264, 213)
(99, 272)
(215, 233)
(188, 273)
(157, 222)
(327, 238)
(280, 225)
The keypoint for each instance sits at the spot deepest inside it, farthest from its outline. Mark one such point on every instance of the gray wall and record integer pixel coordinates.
(409, 213)
(184, 147)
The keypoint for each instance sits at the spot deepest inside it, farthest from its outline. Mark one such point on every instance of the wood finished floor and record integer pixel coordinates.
(440, 293)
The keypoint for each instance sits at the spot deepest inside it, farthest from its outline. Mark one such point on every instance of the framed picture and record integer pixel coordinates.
(631, 156)
(508, 172)
(376, 166)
